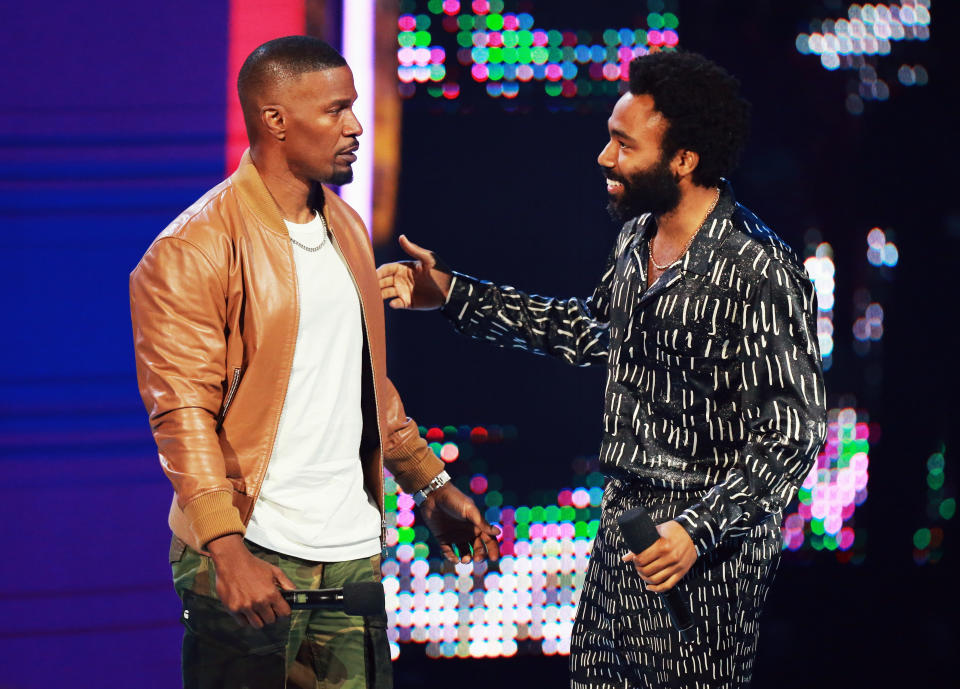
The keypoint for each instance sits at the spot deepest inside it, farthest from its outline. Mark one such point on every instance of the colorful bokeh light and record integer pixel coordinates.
(859, 40)
(506, 49)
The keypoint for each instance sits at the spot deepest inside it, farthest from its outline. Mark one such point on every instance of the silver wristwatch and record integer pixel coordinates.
(440, 479)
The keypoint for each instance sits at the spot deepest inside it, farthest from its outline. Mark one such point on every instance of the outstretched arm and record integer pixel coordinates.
(573, 330)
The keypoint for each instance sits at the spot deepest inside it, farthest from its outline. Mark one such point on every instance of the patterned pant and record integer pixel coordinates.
(311, 649)
(623, 637)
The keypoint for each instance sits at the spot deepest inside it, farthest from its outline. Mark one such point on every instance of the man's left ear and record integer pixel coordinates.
(685, 162)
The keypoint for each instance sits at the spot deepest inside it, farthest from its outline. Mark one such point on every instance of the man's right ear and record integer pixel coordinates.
(274, 121)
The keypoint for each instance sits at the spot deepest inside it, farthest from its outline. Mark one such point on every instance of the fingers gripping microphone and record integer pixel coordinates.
(639, 532)
(361, 598)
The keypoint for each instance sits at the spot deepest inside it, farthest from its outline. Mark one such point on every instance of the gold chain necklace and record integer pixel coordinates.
(689, 241)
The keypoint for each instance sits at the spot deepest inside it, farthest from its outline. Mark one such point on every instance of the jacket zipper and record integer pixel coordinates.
(234, 384)
(376, 403)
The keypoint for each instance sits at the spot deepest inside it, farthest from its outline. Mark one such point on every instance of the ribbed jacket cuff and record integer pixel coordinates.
(213, 515)
(413, 464)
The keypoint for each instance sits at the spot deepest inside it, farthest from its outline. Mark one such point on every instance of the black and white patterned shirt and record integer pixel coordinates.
(714, 381)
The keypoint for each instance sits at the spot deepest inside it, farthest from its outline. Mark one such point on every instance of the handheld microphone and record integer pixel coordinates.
(360, 598)
(639, 531)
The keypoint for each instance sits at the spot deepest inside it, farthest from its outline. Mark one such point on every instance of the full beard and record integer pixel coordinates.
(650, 191)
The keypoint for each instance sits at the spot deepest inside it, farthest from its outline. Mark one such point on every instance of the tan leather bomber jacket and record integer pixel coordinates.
(215, 314)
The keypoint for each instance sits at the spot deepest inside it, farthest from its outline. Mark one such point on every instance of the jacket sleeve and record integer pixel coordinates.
(405, 453)
(178, 309)
(783, 408)
(573, 330)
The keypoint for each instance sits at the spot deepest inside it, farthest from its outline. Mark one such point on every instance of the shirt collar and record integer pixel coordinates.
(699, 256)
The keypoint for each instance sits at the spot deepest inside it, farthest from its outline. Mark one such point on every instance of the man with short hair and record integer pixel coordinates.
(714, 407)
(260, 352)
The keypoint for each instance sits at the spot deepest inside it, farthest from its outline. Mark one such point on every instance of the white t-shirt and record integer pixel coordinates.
(313, 504)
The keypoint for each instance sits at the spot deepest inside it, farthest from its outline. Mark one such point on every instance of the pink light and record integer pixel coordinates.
(654, 37)
(495, 39)
(451, 6)
(510, 22)
(359, 21)
(437, 55)
(407, 22)
(524, 73)
(611, 71)
(539, 37)
(406, 56)
(670, 38)
(479, 72)
(480, 6)
(554, 72)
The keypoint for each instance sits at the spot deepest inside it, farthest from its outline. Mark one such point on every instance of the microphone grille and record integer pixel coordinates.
(363, 598)
(637, 529)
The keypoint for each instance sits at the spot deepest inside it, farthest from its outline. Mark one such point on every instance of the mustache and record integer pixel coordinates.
(607, 174)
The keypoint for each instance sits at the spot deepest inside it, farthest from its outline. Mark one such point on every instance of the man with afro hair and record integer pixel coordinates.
(714, 407)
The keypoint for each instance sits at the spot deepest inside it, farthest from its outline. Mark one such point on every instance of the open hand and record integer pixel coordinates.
(414, 284)
(456, 522)
(665, 563)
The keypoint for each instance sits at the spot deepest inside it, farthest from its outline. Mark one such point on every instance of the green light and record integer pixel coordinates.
(465, 39)
(816, 542)
(405, 534)
(522, 515)
(655, 20)
(935, 463)
(539, 55)
(494, 22)
(423, 39)
(641, 37)
(592, 528)
(510, 39)
(935, 481)
(580, 530)
(423, 22)
(465, 22)
(496, 6)
(805, 495)
(536, 514)
(829, 542)
(406, 39)
(568, 513)
(494, 55)
(421, 551)
(554, 55)
(613, 55)
(493, 499)
(948, 508)
(816, 526)
(552, 514)
(554, 38)
(921, 539)
(522, 532)
(524, 56)
(670, 20)
(435, 448)
(509, 55)
(495, 72)
(569, 53)
(611, 37)
(421, 429)
(435, 6)
(525, 38)
(390, 503)
(437, 72)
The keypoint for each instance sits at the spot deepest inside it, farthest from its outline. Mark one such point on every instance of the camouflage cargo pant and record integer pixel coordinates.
(312, 649)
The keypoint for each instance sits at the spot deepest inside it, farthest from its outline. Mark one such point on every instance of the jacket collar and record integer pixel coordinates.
(250, 186)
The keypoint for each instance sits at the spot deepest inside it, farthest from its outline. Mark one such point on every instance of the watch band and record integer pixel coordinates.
(436, 482)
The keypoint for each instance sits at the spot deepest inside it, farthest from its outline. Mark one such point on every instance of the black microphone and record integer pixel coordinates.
(360, 598)
(639, 531)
